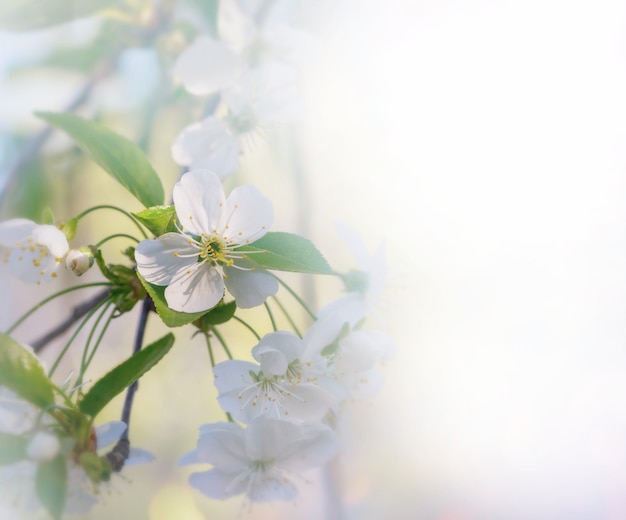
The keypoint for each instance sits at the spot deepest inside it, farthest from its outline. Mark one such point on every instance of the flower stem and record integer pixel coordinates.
(52, 297)
(221, 340)
(116, 235)
(86, 360)
(109, 206)
(295, 295)
(271, 315)
(248, 326)
(210, 348)
(288, 316)
(88, 316)
(78, 312)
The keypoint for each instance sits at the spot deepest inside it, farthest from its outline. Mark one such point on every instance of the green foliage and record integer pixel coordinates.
(355, 281)
(170, 317)
(25, 15)
(12, 448)
(118, 156)
(124, 375)
(21, 372)
(158, 219)
(287, 252)
(51, 485)
(69, 228)
(97, 468)
(219, 314)
(127, 290)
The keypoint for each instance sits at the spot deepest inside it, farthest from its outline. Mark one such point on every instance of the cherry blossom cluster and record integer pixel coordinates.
(252, 70)
(196, 262)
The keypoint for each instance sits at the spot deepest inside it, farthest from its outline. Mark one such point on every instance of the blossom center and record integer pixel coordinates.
(262, 466)
(215, 250)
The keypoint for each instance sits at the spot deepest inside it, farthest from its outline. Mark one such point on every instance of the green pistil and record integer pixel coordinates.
(262, 465)
(293, 371)
(215, 251)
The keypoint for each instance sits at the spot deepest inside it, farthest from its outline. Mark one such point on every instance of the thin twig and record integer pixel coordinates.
(77, 313)
(146, 307)
(120, 452)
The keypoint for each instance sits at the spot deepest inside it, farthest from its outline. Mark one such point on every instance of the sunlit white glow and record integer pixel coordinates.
(486, 141)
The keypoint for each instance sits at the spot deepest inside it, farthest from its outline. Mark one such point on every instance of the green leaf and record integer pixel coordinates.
(118, 156)
(170, 317)
(51, 485)
(12, 448)
(287, 252)
(124, 375)
(158, 219)
(24, 15)
(219, 314)
(21, 372)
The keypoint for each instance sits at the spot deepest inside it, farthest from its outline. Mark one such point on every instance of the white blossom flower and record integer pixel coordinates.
(335, 348)
(79, 261)
(265, 94)
(260, 459)
(17, 481)
(208, 144)
(272, 40)
(278, 386)
(34, 252)
(369, 281)
(207, 66)
(202, 259)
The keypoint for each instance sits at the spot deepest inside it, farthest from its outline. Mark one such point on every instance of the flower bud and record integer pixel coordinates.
(43, 446)
(79, 260)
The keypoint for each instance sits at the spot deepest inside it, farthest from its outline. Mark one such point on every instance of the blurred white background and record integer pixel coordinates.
(486, 140)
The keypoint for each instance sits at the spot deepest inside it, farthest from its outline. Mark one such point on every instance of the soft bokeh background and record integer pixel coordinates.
(484, 143)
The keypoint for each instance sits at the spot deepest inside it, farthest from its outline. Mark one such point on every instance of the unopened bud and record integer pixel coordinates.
(43, 446)
(79, 260)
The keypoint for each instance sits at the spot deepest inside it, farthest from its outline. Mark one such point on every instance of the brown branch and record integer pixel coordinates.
(78, 312)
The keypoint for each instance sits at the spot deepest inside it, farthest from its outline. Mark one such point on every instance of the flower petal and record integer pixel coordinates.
(110, 432)
(15, 230)
(276, 350)
(160, 261)
(222, 445)
(362, 385)
(207, 145)
(233, 374)
(198, 289)
(139, 456)
(247, 215)
(272, 487)
(249, 288)
(25, 265)
(268, 438)
(314, 446)
(199, 200)
(207, 66)
(52, 238)
(217, 484)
